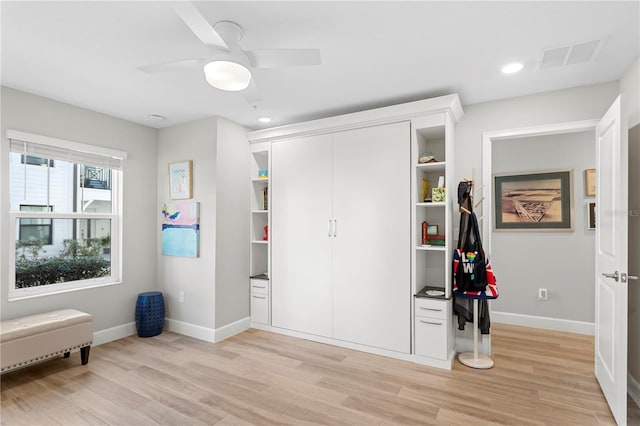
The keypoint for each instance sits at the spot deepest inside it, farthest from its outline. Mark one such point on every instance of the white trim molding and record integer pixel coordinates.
(556, 324)
(114, 333)
(192, 330)
(205, 333)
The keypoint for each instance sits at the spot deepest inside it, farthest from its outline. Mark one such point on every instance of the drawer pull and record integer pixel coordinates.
(259, 286)
(430, 322)
(431, 309)
(259, 297)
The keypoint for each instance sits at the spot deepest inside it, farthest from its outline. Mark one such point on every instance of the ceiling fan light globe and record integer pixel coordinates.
(226, 75)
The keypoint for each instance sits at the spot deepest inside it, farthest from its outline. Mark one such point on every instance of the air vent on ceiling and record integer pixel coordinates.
(572, 54)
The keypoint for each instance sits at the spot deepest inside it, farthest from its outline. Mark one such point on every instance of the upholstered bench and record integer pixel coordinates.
(37, 337)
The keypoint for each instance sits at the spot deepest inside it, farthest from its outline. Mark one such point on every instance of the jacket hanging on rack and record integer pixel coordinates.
(472, 273)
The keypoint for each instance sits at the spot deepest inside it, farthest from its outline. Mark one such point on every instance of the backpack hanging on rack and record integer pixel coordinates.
(472, 273)
(471, 268)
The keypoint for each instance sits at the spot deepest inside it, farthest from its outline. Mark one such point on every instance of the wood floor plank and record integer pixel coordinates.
(540, 378)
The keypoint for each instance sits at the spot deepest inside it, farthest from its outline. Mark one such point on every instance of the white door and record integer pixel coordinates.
(301, 288)
(372, 208)
(611, 259)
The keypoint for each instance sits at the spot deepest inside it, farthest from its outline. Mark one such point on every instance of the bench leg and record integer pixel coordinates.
(84, 354)
(66, 354)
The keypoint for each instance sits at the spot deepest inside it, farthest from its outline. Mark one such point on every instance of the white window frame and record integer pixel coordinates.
(115, 217)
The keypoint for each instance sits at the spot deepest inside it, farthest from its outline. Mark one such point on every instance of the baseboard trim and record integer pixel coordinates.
(205, 333)
(633, 388)
(114, 333)
(546, 323)
(191, 330)
(233, 328)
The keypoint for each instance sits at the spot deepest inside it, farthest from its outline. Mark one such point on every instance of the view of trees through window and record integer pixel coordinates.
(63, 221)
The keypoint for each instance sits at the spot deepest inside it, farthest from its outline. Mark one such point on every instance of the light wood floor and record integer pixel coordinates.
(256, 377)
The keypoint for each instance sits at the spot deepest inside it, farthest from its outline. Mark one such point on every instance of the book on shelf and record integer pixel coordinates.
(265, 198)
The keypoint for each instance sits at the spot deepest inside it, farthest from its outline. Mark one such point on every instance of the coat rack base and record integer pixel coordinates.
(479, 361)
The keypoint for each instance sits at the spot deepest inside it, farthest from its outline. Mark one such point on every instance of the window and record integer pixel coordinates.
(35, 230)
(65, 222)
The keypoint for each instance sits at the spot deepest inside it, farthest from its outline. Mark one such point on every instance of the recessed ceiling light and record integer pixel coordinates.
(157, 117)
(512, 68)
(264, 119)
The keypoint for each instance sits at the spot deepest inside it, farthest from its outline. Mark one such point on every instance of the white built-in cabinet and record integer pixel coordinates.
(345, 257)
(341, 259)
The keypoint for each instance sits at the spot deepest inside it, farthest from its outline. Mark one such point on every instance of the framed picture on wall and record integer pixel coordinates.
(590, 182)
(591, 216)
(534, 201)
(180, 177)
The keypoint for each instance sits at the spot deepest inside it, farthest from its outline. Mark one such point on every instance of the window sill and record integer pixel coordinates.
(41, 291)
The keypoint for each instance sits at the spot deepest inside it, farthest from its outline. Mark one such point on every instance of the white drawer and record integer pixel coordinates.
(432, 308)
(431, 337)
(260, 308)
(259, 287)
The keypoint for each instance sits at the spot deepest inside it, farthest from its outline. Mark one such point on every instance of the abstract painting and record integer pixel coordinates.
(539, 201)
(181, 229)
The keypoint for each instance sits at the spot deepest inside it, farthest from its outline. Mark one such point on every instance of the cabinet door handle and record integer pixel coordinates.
(329, 228)
(430, 309)
(430, 322)
(259, 297)
(335, 227)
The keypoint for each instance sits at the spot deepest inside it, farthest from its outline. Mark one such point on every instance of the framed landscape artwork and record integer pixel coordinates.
(534, 201)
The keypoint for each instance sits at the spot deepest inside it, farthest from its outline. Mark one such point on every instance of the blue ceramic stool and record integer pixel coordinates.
(149, 314)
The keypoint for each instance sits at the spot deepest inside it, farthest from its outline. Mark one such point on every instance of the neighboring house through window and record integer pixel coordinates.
(35, 229)
(65, 221)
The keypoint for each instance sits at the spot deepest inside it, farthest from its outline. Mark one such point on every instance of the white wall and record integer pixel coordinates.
(232, 233)
(216, 284)
(114, 305)
(194, 141)
(561, 262)
(580, 103)
(630, 89)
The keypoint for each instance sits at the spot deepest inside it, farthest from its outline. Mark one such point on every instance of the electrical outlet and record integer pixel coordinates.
(181, 297)
(542, 294)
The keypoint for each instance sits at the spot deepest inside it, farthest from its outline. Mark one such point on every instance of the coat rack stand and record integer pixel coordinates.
(474, 359)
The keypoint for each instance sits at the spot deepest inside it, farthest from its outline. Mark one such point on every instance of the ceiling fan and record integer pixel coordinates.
(228, 66)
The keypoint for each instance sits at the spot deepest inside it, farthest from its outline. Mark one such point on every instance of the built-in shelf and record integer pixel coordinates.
(431, 248)
(440, 165)
(259, 242)
(257, 180)
(431, 204)
(260, 211)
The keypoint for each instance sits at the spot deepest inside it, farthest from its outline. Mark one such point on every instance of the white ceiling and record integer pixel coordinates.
(86, 53)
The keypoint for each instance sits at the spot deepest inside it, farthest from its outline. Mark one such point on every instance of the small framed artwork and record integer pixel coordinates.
(534, 201)
(590, 182)
(180, 177)
(432, 229)
(591, 216)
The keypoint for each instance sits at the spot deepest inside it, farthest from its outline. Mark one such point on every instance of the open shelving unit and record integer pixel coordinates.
(432, 325)
(260, 222)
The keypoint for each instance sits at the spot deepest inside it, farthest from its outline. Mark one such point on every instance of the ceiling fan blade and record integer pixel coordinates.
(173, 66)
(282, 58)
(200, 27)
(251, 94)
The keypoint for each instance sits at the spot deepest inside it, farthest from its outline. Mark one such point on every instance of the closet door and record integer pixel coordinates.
(300, 240)
(372, 283)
